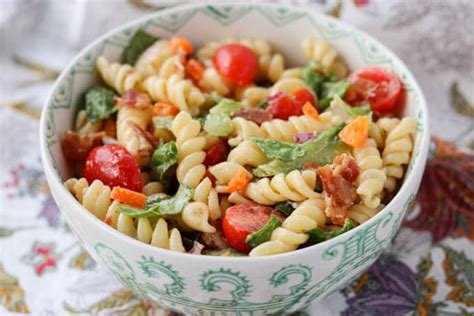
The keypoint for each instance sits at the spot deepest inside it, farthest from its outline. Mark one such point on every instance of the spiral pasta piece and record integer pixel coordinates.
(247, 153)
(308, 215)
(224, 171)
(251, 96)
(286, 130)
(360, 213)
(212, 81)
(118, 76)
(271, 67)
(319, 50)
(244, 130)
(196, 216)
(371, 180)
(378, 131)
(295, 186)
(287, 86)
(397, 151)
(129, 121)
(190, 146)
(206, 194)
(95, 197)
(176, 90)
(150, 61)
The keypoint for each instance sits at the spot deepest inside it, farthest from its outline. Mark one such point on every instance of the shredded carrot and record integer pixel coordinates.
(181, 45)
(164, 109)
(239, 182)
(356, 133)
(129, 197)
(310, 110)
(194, 70)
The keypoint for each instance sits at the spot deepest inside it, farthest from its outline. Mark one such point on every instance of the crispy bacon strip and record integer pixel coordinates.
(133, 98)
(256, 115)
(337, 180)
(76, 147)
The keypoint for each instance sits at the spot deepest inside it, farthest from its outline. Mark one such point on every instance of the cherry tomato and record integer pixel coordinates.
(114, 166)
(284, 106)
(237, 63)
(376, 86)
(217, 153)
(241, 220)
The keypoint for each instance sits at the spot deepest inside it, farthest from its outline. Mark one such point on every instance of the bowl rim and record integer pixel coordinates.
(53, 176)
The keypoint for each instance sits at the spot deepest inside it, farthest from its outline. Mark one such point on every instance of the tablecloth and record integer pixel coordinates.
(427, 270)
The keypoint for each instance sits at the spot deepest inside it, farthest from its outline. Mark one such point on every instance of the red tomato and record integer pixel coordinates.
(241, 220)
(114, 166)
(376, 86)
(284, 106)
(217, 153)
(236, 62)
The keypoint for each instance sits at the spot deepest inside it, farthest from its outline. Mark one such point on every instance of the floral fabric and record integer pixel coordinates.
(427, 270)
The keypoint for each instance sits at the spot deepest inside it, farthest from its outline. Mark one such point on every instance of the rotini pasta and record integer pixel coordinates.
(180, 92)
(308, 215)
(397, 150)
(360, 213)
(295, 186)
(247, 153)
(120, 77)
(319, 50)
(130, 122)
(95, 198)
(372, 177)
(251, 96)
(150, 62)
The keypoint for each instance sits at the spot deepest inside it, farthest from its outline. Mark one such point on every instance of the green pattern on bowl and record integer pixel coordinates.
(215, 285)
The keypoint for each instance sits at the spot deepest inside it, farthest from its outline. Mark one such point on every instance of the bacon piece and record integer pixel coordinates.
(337, 180)
(133, 98)
(146, 140)
(76, 147)
(256, 115)
(110, 127)
(215, 240)
(196, 249)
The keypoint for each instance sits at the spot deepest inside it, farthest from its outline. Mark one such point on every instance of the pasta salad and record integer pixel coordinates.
(226, 151)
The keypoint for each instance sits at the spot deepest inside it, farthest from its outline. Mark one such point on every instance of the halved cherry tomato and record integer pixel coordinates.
(236, 62)
(114, 166)
(194, 70)
(241, 220)
(376, 86)
(284, 106)
(217, 153)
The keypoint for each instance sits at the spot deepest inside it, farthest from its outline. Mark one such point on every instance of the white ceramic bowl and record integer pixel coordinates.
(204, 284)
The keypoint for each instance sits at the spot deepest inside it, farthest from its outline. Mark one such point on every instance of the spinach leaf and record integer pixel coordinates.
(218, 125)
(264, 234)
(330, 90)
(275, 149)
(226, 107)
(228, 252)
(164, 157)
(320, 150)
(317, 235)
(100, 103)
(163, 121)
(167, 206)
(140, 41)
(286, 208)
(313, 78)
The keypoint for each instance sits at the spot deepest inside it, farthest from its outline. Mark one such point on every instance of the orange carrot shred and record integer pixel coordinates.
(239, 182)
(164, 109)
(194, 70)
(356, 133)
(310, 110)
(129, 197)
(181, 45)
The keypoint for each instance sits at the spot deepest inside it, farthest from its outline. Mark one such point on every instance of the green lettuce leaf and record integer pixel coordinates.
(140, 41)
(313, 78)
(330, 90)
(275, 149)
(167, 206)
(346, 112)
(100, 103)
(320, 150)
(164, 157)
(264, 234)
(317, 235)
